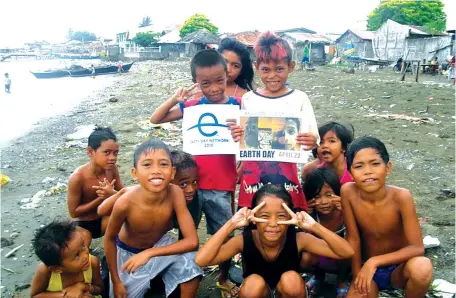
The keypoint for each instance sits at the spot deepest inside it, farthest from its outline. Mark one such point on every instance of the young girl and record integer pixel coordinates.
(323, 187)
(271, 249)
(335, 138)
(274, 63)
(67, 268)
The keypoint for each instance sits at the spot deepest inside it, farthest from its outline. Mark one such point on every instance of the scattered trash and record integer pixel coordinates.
(13, 251)
(14, 235)
(48, 179)
(6, 242)
(435, 178)
(421, 120)
(392, 105)
(4, 179)
(81, 132)
(74, 144)
(147, 125)
(410, 166)
(9, 270)
(430, 242)
(386, 96)
(422, 220)
(443, 289)
(32, 203)
(113, 99)
(21, 287)
(60, 187)
(447, 192)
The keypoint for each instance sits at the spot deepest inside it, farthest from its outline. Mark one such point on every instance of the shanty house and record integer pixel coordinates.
(393, 40)
(249, 38)
(317, 45)
(356, 43)
(199, 40)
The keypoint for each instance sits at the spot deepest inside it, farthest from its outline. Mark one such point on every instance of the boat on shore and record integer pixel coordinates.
(79, 71)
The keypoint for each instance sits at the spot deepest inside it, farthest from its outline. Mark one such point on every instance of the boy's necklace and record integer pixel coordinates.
(278, 252)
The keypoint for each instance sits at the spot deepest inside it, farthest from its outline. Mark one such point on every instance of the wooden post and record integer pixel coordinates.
(403, 70)
(417, 76)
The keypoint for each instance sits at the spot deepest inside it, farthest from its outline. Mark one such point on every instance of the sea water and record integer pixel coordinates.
(32, 99)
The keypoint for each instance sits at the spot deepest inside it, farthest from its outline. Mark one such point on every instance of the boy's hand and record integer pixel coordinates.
(105, 189)
(307, 140)
(236, 131)
(311, 205)
(182, 94)
(245, 216)
(74, 291)
(364, 278)
(136, 261)
(336, 202)
(301, 219)
(119, 290)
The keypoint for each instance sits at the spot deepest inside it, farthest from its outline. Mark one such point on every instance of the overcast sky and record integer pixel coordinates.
(28, 20)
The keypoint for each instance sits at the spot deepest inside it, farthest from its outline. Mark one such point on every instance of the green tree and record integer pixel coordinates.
(146, 21)
(81, 35)
(196, 22)
(428, 14)
(146, 39)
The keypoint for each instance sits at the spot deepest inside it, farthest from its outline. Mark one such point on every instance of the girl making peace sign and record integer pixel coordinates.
(271, 250)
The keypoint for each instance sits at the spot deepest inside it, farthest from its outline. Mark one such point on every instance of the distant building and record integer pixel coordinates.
(318, 44)
(356, 43)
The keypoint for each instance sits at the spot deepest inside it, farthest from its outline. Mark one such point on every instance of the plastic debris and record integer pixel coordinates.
(444, 289)
(33, 202)
(81, 132)
(430, 242)
(4, 179)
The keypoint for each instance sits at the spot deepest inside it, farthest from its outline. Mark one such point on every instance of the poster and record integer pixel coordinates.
(205, 131)
(271, 136)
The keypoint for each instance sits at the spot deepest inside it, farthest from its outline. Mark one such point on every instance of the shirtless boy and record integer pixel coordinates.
(93, 182)
(382, 226)
(137, 245)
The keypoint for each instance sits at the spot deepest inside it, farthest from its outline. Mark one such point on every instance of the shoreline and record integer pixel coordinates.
(420, 152)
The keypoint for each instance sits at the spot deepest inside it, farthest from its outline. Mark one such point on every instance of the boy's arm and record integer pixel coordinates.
(167, 111)
(118, 216)
(75, 208)
(106, 207)
(215, 251)
(118, 185)
(412, 234)
(40, 283)
(97, 282)
(351, 227)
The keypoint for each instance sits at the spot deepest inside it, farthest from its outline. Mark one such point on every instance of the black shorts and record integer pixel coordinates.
(93, 226)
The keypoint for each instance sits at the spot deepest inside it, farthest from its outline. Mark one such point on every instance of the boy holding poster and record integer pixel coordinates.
(217, 173)
(273, 65)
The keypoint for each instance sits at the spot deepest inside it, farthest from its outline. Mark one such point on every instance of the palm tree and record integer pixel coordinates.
(146, 21)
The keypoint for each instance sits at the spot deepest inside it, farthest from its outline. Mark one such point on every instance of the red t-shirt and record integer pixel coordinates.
(215, 172)
(255, 174)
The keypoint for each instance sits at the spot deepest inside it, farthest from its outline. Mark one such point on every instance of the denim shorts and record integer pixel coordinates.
(216, 205)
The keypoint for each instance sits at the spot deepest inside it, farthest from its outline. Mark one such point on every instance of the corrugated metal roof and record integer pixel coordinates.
(171, 37)
(363, 34)
(312, 38)
(249, 38)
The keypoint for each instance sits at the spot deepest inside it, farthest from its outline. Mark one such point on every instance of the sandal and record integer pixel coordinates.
(228, 291)
(313, 286)
(342, 289)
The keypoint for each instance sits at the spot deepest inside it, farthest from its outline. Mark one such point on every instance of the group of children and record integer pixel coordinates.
(365, 228)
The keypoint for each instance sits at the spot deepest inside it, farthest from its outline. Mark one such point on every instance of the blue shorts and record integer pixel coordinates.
(216, 205)
(305, 59)
(382, 277)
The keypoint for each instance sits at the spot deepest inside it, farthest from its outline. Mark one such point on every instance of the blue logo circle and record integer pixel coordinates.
(214, 123)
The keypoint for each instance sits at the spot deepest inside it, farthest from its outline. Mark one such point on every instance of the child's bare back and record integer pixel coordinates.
(145, 221)
(380, 222)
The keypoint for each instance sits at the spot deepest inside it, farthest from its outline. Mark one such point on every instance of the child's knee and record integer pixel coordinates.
(419, 269)
(253, 286)
(291, 284)
(308, 260)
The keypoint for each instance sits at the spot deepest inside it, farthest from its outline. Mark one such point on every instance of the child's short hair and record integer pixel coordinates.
(317, 178)
(150, 145)
(364, 143)
(206, 58)
(245, 78)
(50, 240)
(99, 135)
(271, 47)
(273, 190)
(183, 160)
(341, 131)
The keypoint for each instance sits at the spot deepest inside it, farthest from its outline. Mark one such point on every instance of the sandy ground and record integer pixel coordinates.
(422, 150)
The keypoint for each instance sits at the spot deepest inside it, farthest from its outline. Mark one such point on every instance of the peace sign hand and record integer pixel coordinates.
(336, 202)
(301, 219)
(182, 94)
(245, 216)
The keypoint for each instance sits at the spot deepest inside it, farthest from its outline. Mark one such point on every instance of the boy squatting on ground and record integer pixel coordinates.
(67, 268)
(274, 64)
(217, 173)
(136, 244)
(382, 226)
(93, 182)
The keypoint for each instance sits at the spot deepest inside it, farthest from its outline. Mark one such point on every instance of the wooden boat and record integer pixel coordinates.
(56, 73)
(99, 70)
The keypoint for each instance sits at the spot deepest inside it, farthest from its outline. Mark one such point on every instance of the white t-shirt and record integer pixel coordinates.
(294, 100)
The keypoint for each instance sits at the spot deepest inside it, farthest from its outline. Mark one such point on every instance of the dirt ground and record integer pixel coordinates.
(422, 150)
